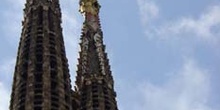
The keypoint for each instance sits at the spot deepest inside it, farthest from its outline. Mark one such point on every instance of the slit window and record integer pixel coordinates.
(26, 56)
(53, 85)
(37, 108)
(53, 74)
(53, 93)
(37, 102)
(38, 77)
(53, 64)
(55, 105)
(39, 58)
(39, 68)
(38, 91)
(38, 85)
(54, 99)
(38, 97)
(22, 107)
(51, 19)
(67, 98)
(40, 15)
(24, 74)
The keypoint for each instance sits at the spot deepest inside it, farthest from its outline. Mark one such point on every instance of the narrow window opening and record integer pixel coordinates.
(51, 19)
(37, 108)
(53, 52)
(38, 85)
(38, 97)
(24, 74)
(53, 85)
(95, 96)
(39, 47)
(38, 77)
(39, 68)
(53, 93)
(53, 74)
(54, 99)
(39, 58)
(38, 102)
(26, 56)
(39, 32)
(55, 105)
(23, 90)
(38, 91)
(22, 107)
(67, 98)
(40, 15)
(39, 40)
(22, 95)
(53, 64)
(52, 43)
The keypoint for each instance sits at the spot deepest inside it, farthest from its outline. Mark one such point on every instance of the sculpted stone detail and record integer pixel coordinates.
(89, 6)
(85, 46)
(92, 23)
(110, 85)
(88, 82)
(99, 49)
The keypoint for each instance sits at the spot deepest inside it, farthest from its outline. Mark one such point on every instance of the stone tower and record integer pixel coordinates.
(94, 82)
(41, 77)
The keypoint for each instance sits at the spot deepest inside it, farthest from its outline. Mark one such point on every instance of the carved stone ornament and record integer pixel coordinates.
(85, 43)
(100, 81)
(89, 6)
(110, 85)
(97, 39)
(94, 25)
(30, 1)
(84, 68)
(93, 22)
(88, 82)
(98, 43)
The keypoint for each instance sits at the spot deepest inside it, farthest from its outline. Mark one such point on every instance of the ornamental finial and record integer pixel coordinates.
(89, 6)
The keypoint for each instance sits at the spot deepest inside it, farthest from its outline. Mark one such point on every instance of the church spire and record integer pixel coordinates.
(41, 77)
(94, 79)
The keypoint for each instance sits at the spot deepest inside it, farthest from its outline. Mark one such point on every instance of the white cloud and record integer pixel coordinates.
(12, 17)
(71, 31)
(11, 32)
(6, 73)
(5, 97)
(206, 27)
(7, 69)
(148, 10)
(189, 89)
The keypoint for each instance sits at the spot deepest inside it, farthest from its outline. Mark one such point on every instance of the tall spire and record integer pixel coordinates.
(41, 77)
(94, 79)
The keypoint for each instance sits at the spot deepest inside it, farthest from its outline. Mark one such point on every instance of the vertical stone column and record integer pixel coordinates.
(46, 64)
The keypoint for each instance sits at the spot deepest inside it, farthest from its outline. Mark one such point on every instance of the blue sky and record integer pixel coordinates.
(163, 53)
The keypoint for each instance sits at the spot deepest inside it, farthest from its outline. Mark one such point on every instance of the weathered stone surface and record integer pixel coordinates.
(41, 77)
(94, 80)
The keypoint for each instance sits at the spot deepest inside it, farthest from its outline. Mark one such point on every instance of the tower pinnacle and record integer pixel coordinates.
(41, 77)
(94, 80)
